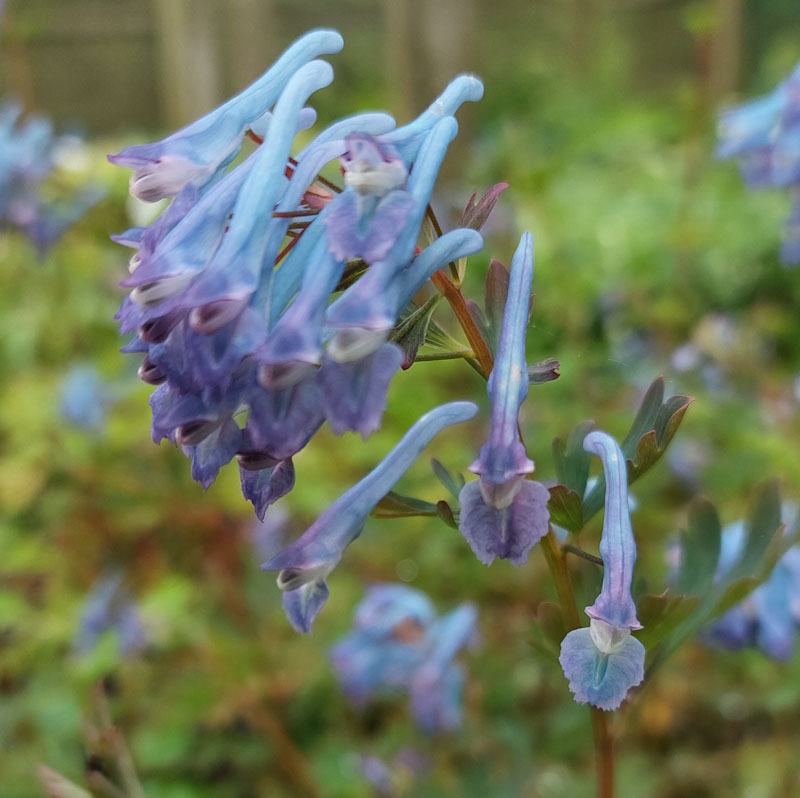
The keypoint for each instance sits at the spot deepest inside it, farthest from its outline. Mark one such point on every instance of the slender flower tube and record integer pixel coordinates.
(305, 564)
(198, 152)
(502, 513)
(604, 661)
(235, 269)
(409, 138)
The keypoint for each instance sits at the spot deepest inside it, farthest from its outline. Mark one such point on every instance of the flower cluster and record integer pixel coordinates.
(231, 286)
(769, 617)
(28, 154)
(399, 645)
(764, 135)
(602, 662)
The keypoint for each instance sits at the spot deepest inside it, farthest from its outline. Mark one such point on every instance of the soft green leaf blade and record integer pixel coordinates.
(395, 505)
(565, 508)
(700, 545)
(453, 482)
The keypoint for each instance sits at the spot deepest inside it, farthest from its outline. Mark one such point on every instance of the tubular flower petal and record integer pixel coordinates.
(199, 151)
(317, 551)
(503, 514)
(604, 661)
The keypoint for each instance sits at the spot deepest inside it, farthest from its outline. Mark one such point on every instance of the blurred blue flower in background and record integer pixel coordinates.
(399, 645)
(86, 397)
(769, 617)
(764, 136)
(29, 153)
(109, 606)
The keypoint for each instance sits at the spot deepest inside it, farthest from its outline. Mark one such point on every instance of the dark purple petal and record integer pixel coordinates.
(264, 487)
(213, 452)
(355, 393)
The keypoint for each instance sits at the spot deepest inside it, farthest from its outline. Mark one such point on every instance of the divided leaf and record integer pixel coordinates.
(411, 330)
(653, 428)
(452, 482)
(571, 461)
(395, 505)
(566, 508)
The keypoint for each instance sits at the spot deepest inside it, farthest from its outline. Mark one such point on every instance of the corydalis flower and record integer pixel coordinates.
(764, 136)
(399, 645)
(604, 661)
(503, 514)
(197, 153)
(305, 565)
(769, 617)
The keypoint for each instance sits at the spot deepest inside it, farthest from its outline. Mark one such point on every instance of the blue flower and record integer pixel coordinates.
(230, 288)
(604, 661)
(398, 645)
(769, 617)
(109, 606)
(503, 514)
(764, 136)
(86, 398)
(199, 152)
(305, 565)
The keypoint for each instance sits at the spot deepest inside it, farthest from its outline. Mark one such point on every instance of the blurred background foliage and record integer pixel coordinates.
(651, 258)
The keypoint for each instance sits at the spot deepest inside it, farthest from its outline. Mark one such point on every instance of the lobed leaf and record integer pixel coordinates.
(566, 508)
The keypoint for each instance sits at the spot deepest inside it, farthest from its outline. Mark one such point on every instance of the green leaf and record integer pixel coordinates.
(548, 629)
(445, 512)
(763, 522)
(645, 417)
(566, 508)
(700, 546)
(653, 428)
(436, 337)
(660, 615)
(395, 505)
(571, 461)
(452, 482)
(411, 330)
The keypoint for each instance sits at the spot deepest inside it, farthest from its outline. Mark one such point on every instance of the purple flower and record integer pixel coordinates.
(503, 514)
(399, 645)
(198, 152)
(305, 565)
(604, 661)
